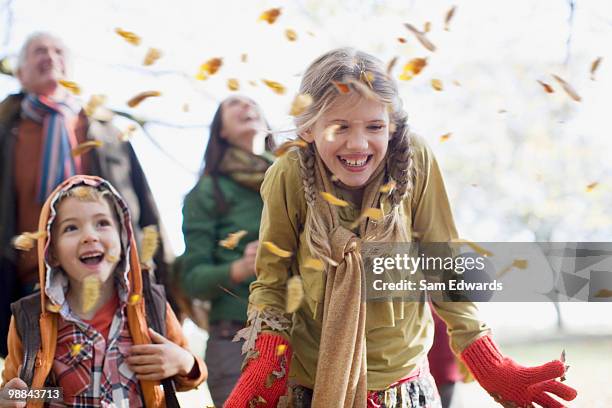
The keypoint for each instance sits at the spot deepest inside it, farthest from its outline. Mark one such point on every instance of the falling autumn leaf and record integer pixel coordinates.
(150, 242)
(128, 132)
(53, 308)
(95, 101)
(71, 86)
(364, 90)
(295, 294)
(448, 17)
(427, 27)
(244, 57)
(284, 148)
(413, 68)
(275, 86)
(152, 55)
(232, 239)
(26, 240)
(270, 15)
(329, 133)
(270, 246)
(134, 298)
(233, 84)
(136, 100)
(386, 188)
(185, 107)
(421, 37)
(401, 40)
(594, 66)
(603, 293)
(128, 36)
(591, 187)
(333, 200)
(341, 87)
(547, 87)
(436, 84)
(568, 88)
(391, 64)
(208, 68)
(312, 263)
(373, 213)
(280, 349)
(300, 103)
(290, 34)
(85, 147)
(75, 349)
(91, 292)
(445, 137)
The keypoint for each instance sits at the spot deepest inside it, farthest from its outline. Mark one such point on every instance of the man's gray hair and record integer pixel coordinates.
(23, 52)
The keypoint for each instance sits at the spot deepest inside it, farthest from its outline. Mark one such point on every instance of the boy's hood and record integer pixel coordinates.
(53, 282)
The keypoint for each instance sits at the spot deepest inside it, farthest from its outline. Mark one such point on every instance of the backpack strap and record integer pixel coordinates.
(27, 315)
(155, 306)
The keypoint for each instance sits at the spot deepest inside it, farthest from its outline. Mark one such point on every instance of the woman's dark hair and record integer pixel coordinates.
(215, 150)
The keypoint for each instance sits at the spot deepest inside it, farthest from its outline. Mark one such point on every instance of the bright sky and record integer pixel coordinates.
(513, 146)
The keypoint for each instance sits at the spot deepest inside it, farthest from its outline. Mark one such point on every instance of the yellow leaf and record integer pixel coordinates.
(568, 88)
(134, 298)
(52, 307)
(71, 86)
(427, 27)
(136, 100)
(449, 15)
(594, 66)
(387, 187)
(75, 349)
(280, 349)
(275, 86)
(150, 242)
(436, 84)
(128, 36)
(445, 137)
(94, 102)
(85, 147)
(520, 263)
(152, 55)
(270, 15)
(26, 240)
(276, 250)
(333, 200)
(300, 103)
(374, 213)
(591, 187)
(413, 68)
(233, 84)
(312, 263)
(232, 239)
(421, 37)
(329, 133)
(290, 34)
(91, 292)
(210, 67)
(295, 293)
(128, 132)
(284, 148)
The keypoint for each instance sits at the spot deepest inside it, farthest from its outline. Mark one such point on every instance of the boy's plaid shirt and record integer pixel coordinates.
(92, 372)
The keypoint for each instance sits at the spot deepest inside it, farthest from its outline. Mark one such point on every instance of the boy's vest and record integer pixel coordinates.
(27, 313)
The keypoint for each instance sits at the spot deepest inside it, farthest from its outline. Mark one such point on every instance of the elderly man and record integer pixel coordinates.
(39, 127)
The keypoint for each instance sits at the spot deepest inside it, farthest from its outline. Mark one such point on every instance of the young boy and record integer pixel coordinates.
(94, 336)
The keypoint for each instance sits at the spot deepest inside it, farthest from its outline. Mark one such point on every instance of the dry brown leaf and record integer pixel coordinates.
(233, 84)
(233, 239)
(295, 293)
(603, 293)
(413, 68)
(244, 57)
(275, 86)
(270, 246)
(152, 55)
(270, 15)
(71, 86)
(448, 17)
(315, 264)
(26, 240)
(391, 64)
(568, 88)
(91, 292)
(445, 137)
(594, 66)
(547, 87)
(284, 148)
(427, 27)
(421, 37)
(300, 103)
(386, 188)
(150, 242)
(591, 187)
(85, 147)
(437, 84)
(290, 34)
(333, 200)
(342, 87)
(401, 40)
(128, 36)
(136, 100)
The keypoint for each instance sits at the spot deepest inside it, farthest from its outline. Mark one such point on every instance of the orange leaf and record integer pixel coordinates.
(270, 15)
(136, 100)
(153, 54)
(547, 88)
(387, 187)
(128, 36)
(341, 87)
(413, 68)
(568, 88)
(421, 37)
(232, 239)
(233, 84)
(401, 40)
(445, 137)
(210, 67)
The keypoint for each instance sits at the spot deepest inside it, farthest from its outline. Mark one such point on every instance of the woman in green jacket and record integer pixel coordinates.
(224, 201)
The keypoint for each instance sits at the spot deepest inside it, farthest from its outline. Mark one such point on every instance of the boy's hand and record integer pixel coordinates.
(161, 360)
(14, 384)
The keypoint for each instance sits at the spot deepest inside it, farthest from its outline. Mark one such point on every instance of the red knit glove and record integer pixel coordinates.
(264, 379)
(512, 385)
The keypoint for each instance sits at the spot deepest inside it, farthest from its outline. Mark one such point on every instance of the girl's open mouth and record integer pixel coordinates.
(92, 259)
(354, 162)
